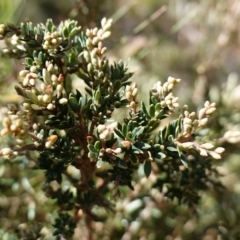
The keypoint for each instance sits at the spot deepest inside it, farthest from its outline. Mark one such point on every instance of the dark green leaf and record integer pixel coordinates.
(147, 168)
(119, 133)
(151, 111)
(122, 164)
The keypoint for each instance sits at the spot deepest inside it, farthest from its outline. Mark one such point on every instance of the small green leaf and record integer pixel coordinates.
(73, 103)
(97, 95)
(147, 168)
(100, 163)
(137, 132)
(151, 111)
(73, 32)
(158, 107)
(134, 159)
(136, 150)
(119, 133)
(172, 149)
(92, 148)
(170, 138)
(142, 145)
(97, 145)
(144, 109)
(122, 164)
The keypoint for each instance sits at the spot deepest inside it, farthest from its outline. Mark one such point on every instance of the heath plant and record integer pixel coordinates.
(65, 128)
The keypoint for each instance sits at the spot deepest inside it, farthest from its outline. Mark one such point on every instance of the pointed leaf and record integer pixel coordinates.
(147, 168)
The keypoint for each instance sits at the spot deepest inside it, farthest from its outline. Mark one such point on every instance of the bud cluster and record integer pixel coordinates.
(52, 40)
(50, 141)
(190, 123)
(42, 94)
(13, 125)
(95, 36)
(232, 136)
(205, 149)
(106, 132)
(131, 93)
(8, 153)
(95, 49)
(163, 93)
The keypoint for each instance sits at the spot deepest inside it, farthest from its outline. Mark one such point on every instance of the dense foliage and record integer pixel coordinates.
(64, 128)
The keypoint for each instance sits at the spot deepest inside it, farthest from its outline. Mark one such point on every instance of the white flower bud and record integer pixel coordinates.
(23, 73)
(101, 128)
(118, 150)
(187, 145)
(207, 146)
(6, 151)
(63, 101)
(210, 110)
(50, 106)
(33, 69)
(32, 82)
(203, 121)
(46, 98)
(187, 121)
(201, 113)
(215, 155)
(25, 82)
(219, 150)
(206, 104)
(4, 131)
(48, 144)
(106, 35)
(203, 152)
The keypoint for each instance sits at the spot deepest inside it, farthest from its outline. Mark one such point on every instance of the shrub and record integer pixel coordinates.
(66, 128)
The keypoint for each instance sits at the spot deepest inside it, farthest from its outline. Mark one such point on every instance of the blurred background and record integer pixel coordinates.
(197, 41)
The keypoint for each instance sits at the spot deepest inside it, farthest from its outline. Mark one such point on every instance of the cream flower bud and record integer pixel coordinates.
(203, 121)
(50, 106)
(63, 101)
(210, 110)
(118, 150)
(101, 128)
(207, 146)
(187, 121)
(6, 151)
(187, 145)
(201, 113)
(215, 155)
(206, 104)
(23, 73)
(219, 150)
(33, 69)
(203, 152)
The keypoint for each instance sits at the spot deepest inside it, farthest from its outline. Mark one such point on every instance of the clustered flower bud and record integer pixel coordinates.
(131, 92)
(8, 153)
(95, 49)
(106, 132)
(42, 94)
(206, 149)
(163, 93)
(190, 124)
(52, 40)
(232, 136)
(50, 141)
(13, 125)
(204, 113)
